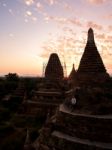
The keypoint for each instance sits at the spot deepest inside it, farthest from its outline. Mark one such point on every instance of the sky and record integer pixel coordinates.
(30, 30)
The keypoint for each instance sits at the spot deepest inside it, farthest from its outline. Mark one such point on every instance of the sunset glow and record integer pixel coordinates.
(30, 30)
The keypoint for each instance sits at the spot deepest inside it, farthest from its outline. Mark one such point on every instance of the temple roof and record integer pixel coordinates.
(91, 60)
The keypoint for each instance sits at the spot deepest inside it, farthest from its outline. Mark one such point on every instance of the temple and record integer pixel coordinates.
(86, 125)
(54, 69)
(72, 76)
(49, 94)
(91, 69)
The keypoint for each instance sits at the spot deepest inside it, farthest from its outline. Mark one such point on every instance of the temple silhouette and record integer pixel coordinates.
(91, 70)
(49, 94)
(87, 125)
(54, 69)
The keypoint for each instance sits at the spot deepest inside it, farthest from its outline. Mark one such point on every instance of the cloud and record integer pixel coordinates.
(94, 25)
(101, 36)
(52, 2)
(11, 35)
(34, 19)
(109, 37)
(109, 16)
(110, 27)
(28, 13)
(60, 20)
(63, 20)
(97, 2)
(39, 6)
(76, 22)
(29, 16)
(29, 2)
(68, 45)
(66, 6)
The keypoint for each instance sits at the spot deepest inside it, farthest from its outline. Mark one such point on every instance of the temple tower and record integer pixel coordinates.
(72, 73)
(91, 68)
(72, 77)
(54, 69)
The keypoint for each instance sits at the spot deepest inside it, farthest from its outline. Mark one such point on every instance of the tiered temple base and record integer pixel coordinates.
(70, 131)
(92, 79)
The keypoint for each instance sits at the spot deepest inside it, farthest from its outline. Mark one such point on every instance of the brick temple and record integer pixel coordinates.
(87, 124)
(72, 76)
(49, 94)
(54, 69)
(91, 70)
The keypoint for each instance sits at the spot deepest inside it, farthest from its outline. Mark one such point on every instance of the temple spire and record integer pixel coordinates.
(91, 67)
(90, 39)
(73, 66)
(72, 73)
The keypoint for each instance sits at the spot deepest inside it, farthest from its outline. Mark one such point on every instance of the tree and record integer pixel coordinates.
(12, 77)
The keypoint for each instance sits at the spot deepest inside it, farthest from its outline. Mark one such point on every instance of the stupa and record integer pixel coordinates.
(49, 94)
(87, 125)
(72, 76)
(91, 69)
(54, 69)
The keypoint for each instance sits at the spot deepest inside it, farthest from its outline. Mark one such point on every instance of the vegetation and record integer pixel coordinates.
(12, 126)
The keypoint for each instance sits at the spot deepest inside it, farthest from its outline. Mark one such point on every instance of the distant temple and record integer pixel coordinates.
(91, 69)
(48, 96)
(72, 76)
(54, 69)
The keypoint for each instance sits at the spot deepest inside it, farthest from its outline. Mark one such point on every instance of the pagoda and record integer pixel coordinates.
(72, 76)
(72, 73)
(91, 69)
(87, 124)
(54, 69)
(49, 94)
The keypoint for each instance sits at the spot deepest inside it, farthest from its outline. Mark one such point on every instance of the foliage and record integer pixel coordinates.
(12, 77)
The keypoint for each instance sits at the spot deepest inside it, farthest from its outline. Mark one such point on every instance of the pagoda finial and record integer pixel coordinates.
(73, 66)
(90, 36)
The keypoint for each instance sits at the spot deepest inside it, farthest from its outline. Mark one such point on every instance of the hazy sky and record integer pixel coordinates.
(32, 29)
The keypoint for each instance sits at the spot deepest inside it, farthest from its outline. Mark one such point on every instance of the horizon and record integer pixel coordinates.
(33, 29)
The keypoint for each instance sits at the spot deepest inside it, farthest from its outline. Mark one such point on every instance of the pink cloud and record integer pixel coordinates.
(94, 25)
(97, 2)
(76, 22)
(109, 16)
(110, 27)
(29, 2)
(39, 6)
(67, 6)
(100, 36)
(109, 37)
(63, 20)
(51, 2)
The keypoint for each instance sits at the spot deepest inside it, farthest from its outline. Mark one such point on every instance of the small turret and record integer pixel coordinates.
(72, 73)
